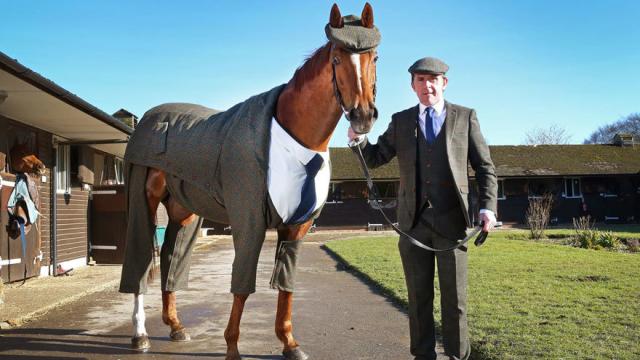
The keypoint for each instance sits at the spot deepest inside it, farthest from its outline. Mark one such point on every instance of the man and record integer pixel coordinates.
(434, 141)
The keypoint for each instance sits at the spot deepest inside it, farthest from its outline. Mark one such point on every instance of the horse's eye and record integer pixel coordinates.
(375, 59)
(336, 60)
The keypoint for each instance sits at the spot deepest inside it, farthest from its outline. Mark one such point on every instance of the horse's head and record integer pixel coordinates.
(24, 160)
(354, 67)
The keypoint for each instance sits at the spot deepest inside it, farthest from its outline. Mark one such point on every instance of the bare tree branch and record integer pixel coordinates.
(604, 135)
(552, 135)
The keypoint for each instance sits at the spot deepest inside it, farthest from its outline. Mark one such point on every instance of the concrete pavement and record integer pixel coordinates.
(336, 316)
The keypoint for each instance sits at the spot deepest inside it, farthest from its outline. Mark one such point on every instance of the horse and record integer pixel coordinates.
(25, 160)
(332, 82)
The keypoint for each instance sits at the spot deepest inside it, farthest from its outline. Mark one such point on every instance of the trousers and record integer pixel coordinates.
(419, 270)
(175, 254)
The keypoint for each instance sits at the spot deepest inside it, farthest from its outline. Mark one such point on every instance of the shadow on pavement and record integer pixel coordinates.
(77, 341)
(477, 351)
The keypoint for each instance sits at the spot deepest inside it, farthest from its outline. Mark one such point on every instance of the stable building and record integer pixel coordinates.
(602, 181)
(81, 147)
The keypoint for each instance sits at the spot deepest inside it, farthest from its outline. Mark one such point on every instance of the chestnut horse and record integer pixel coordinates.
(332, 82)
(24, 160)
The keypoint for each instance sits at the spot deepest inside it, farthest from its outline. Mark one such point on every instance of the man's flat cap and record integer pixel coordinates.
(429, 65)
(353, 37)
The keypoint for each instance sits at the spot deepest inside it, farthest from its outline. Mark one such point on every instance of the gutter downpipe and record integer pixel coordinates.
(54, 214)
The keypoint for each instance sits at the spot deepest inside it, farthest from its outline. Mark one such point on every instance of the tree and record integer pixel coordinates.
(604, 135)
(552, 135)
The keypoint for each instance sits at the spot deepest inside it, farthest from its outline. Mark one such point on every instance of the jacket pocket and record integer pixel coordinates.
(159, 142)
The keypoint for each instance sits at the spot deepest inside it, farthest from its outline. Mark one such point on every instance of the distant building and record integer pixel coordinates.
(602, 181)
(126, 117)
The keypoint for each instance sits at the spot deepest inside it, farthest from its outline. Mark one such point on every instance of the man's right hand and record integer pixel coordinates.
(354, 138)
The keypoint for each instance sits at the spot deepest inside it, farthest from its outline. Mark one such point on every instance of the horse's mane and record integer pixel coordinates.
(311, 66)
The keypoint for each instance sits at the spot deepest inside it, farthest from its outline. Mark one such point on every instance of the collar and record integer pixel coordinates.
(438, 107)
(297, 151)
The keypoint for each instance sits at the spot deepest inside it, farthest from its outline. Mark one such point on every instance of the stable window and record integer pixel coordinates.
(501, 195)
(572, 188)
(63, 162)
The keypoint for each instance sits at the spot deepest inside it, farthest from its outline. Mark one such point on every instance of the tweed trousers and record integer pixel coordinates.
(419, 271)
(175, 255)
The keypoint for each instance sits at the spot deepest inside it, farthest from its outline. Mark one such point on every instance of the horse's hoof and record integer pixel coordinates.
(295, 354)
(232, 356)
(140, 343)
(180, 335)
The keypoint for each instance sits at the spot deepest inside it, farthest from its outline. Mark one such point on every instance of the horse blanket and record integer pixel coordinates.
(195, 145)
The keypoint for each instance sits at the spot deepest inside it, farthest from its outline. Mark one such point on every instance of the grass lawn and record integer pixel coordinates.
(529, 300)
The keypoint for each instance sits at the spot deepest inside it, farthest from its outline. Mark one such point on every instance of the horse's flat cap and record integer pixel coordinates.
(429, 65)
(353, 37)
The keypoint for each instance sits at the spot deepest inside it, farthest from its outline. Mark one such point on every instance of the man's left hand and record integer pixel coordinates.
(488, 218)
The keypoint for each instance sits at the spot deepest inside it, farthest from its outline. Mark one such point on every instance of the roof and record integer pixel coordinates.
(39, 102)
(601, 159)
(123, 113)
(519, 161)
(345, 166)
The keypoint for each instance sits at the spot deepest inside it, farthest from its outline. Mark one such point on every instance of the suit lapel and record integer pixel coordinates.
(449, 125)
(412, 133)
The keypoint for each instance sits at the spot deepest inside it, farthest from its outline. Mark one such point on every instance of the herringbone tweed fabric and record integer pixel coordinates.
(225, 155)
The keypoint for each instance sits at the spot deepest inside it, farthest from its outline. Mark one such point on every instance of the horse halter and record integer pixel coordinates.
(336, 90)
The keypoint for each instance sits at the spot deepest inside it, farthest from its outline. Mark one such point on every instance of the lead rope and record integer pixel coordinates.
(374, 193)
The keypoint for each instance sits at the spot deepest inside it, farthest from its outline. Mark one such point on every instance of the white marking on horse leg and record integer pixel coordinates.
(138, 316)
(355, 59)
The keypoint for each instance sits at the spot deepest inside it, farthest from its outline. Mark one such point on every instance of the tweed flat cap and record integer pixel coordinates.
(429, 65)
(353, 37)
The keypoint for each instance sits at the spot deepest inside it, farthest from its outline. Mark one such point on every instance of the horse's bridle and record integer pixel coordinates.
(336, 90)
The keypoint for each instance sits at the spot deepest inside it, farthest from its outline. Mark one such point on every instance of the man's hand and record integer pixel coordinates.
(354, 139)
(488, 218)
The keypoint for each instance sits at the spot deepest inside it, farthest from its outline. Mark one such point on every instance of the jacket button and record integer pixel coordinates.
(428, 182)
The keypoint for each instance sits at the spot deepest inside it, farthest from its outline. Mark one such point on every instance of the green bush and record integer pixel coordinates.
(586, 239)
(608, 240)
(594, 239)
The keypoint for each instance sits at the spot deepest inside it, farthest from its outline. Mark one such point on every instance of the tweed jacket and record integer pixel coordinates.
(465, 144)
(225, 156)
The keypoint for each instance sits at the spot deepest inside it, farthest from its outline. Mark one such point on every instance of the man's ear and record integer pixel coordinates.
(445, 81)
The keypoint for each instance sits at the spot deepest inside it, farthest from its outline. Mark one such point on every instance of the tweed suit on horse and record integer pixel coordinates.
(195, 145)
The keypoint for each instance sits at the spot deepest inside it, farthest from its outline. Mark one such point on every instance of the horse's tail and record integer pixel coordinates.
(154, 267)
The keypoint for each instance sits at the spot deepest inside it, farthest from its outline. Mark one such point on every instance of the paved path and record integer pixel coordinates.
(336, 316)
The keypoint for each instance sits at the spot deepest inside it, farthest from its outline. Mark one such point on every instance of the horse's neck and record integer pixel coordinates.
(310, 113)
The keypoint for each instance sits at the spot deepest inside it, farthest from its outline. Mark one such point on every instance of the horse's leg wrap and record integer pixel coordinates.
(284, 270)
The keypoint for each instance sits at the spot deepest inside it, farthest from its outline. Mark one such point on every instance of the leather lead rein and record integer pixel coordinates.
(482, 235)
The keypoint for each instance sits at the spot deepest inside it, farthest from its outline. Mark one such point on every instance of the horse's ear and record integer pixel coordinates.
(335, 19)
(367, 16)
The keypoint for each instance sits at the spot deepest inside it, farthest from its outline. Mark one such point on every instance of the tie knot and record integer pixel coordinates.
(313, 166)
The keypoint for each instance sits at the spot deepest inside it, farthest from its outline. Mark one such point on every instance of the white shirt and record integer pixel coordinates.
(438, 115)
(286, 175)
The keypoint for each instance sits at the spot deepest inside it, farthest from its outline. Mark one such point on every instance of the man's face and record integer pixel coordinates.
(429, 88)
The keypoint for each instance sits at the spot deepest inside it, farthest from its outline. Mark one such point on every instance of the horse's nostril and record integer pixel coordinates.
(353, 114)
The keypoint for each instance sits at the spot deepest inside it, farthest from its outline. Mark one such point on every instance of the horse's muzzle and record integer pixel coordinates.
(362, 119)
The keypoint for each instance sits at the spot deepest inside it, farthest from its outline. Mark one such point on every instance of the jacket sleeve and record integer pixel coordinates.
(383, 151)
(480, 159)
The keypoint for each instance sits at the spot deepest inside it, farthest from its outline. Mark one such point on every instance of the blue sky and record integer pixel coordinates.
(520, 64)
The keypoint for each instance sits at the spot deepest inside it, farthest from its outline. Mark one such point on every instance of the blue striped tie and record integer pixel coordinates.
(428, 125)
(308, 194)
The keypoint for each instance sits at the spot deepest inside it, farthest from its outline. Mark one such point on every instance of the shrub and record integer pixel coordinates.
(538, 215)
(588, 237)
(608, 240)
